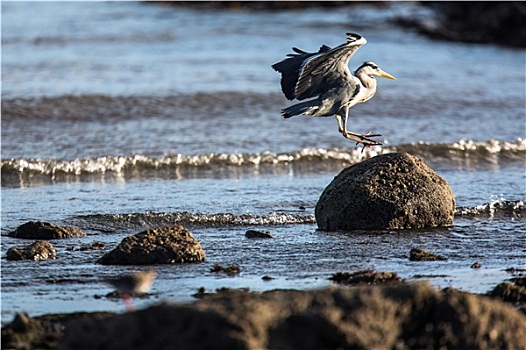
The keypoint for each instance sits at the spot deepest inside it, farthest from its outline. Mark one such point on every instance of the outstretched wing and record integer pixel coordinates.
(290, 69)
(320, 72)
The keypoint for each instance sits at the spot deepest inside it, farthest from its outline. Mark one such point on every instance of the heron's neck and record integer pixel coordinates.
(366, 80)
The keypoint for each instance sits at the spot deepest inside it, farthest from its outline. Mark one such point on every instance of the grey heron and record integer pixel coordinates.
(325, 76)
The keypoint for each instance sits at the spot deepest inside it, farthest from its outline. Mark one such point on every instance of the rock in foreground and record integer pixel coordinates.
(162, 245)
(42, 332)
(40, 250)
(45, 230)
(389, 191)
(402, 317)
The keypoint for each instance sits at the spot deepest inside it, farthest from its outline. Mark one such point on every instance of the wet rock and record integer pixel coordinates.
(366, 277)
(170, 244)
(408, 316)
(229, 270)
(45, 230)
(417, 254)
(515, 270)
(93, 246)
(41, 332)
(258, 234)
(40, 250)
(201, 292)
(476, 265)
(22, 332)
(389, 191)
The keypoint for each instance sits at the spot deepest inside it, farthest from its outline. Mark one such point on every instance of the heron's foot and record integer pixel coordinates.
(364, 139)
(369, 134)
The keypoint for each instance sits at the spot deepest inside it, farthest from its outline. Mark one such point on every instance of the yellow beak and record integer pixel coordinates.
(386, 75)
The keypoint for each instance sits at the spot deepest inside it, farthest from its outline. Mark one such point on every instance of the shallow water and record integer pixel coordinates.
(117, 117)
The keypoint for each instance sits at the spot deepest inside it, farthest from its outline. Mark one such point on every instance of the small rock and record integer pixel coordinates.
(366, 277)
(258, 234)
(40, 250)
(170, 244)
(389, 191)
(515, 270)
(94, 246)
(229, 270)
(417, 254)
(267, 278)
(45, 230)
(84, 247)
(476, 265)
(201, 293)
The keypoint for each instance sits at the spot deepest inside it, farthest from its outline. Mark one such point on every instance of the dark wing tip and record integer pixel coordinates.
(295, 49)
(353, 37)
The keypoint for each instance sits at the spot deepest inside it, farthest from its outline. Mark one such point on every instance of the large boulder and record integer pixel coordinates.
(45, 230)
(411, 316)
(389, 191)
(161, 245)
(40, 250)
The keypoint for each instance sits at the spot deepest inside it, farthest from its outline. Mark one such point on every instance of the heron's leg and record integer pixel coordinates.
(358, 138)
(340, 125)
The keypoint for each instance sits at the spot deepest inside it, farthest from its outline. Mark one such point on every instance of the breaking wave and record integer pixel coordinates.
(115, 222)
(465, 153)
(112, 222)
(497, 208)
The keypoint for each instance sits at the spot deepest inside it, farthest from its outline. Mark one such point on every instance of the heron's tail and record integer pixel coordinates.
(308, 108)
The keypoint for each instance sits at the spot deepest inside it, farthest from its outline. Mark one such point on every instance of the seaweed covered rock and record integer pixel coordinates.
(410, 316)
(417, 254)
(258, 234)
(389, 191)
(40, 250)
(161, 245)
(45, 230)
(366, 277)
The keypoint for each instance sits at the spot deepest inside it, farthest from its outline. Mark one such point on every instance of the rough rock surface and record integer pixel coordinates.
(45, 230)
(366, 277)
(417, 254)
(402, 317)
(389, 191)
(258, 234)
(161, 245)
(40, 250)
(42, 332)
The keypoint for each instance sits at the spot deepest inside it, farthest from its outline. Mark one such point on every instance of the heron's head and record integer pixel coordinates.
(372, 70)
